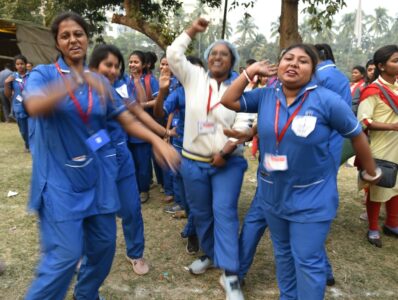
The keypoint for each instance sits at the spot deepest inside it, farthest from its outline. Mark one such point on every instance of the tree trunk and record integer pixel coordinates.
(153, 31)
(288, 28)
(134, 20)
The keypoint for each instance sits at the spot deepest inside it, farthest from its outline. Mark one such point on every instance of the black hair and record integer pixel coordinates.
(308, 49)
(370, 62)
(195, 61)
(150, 60)
(101, 52)
(360, 69)
(382, 55)
(7, 65)
(21, 57)
(250, 61)
(367, 79)
(68, 15)
(140, 54)
(325, 52)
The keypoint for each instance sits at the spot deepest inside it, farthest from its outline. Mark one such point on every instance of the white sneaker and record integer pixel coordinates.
(200, 265)
(232, 287)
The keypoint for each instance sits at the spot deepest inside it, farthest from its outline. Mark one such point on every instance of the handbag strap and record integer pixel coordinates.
(392, 104)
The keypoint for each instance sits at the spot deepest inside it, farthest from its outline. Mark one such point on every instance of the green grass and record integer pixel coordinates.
(361, 271)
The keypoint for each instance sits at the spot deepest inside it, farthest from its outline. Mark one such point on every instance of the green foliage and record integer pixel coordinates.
(322, 11)
(23, 10)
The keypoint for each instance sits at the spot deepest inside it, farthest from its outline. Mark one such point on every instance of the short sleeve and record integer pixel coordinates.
(36, 83)
(366, 110)
(249, 101)
(115, 105)
(342, 119)
(171, 103)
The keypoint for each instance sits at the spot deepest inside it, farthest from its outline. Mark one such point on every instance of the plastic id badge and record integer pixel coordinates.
(206, 127)
(275, 162)
(97, 140)
(19, 98)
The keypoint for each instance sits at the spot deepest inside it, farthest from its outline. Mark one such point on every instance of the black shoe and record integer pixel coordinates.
(192, 245)
(376, 241)
(330, 281)
(389, 232)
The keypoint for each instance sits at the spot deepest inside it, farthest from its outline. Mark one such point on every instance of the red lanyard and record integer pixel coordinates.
(83, 115)
(280, 136)
(209, 109)
(22, 85)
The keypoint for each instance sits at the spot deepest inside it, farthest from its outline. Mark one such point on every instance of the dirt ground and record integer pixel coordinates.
(361, 271)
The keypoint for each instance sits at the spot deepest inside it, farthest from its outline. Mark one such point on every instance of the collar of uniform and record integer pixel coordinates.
(394, 86)
(325, 64)
(231, 77)
(65, 68)
(308, 87)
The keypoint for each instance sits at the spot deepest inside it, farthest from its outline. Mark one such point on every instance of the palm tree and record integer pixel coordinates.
(275, 30)
(246, 28)
(379, 23)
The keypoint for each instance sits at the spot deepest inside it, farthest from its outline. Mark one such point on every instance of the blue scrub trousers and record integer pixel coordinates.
(63, 244)
(142, 153)
(253, 229)
(168, 182)
(213, 195)
(23, 129)
(130, 213)
(299, 250)
(180, 199)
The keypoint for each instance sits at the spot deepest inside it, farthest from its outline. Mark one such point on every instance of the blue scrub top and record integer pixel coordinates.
(18, 86)
(328, 76)
(119, 136)
(131, 90)
(307, 191)
(69, 180)
(176, 102)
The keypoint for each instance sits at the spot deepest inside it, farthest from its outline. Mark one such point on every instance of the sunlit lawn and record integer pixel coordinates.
(361, 271)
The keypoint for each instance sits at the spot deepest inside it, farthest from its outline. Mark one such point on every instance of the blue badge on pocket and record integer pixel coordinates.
(97, 140)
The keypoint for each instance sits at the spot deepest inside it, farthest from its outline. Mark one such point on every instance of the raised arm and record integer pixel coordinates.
(231, 97)
(178, 63)
(164, 84)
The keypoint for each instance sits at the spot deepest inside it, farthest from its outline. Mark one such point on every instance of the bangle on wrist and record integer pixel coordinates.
(167, 133)
(367, 177)
(247, 76)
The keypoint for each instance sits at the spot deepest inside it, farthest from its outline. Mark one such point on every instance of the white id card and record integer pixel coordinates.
(19, 98)
(19, 80)
(206, 127)
(302, 126)
(275, 162)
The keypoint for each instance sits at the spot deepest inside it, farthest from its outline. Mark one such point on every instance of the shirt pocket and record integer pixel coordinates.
(82, 173)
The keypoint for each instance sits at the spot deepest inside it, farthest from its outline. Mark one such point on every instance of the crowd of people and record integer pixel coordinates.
(95, 135)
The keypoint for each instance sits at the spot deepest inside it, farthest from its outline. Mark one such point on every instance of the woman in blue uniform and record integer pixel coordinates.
(140, 150)
(75, 166)
(108, 61)
(13, 87)
(297, 182)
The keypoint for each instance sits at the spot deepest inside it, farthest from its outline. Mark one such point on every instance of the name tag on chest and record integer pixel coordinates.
(19, 98)
(97, 140)
(275, 162)
(206, 127)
